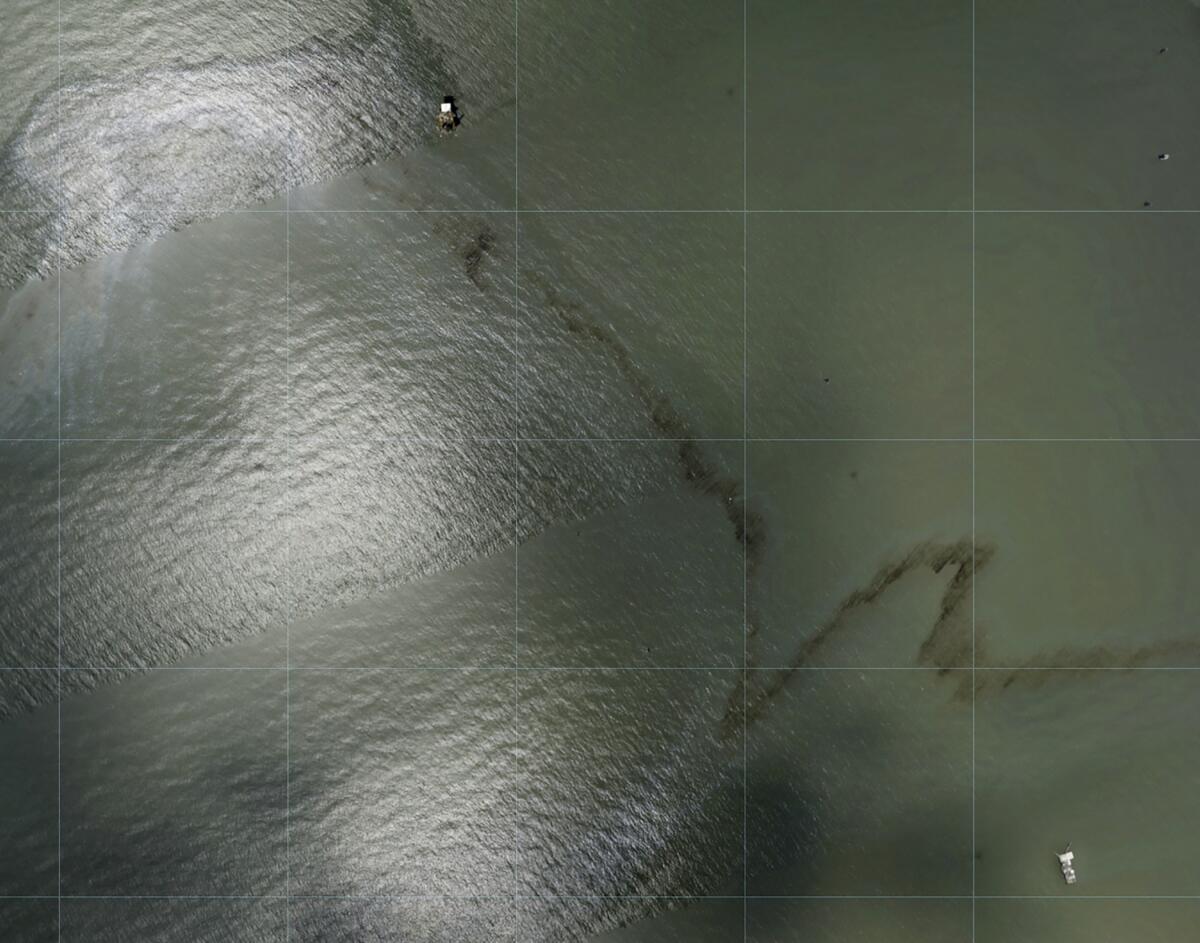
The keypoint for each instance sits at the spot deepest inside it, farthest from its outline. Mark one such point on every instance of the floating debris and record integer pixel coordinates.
(1164, 156)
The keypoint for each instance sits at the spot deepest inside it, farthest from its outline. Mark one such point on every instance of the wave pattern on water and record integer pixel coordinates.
(151, 151)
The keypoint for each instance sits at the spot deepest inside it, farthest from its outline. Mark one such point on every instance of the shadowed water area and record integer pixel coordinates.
(383, 564)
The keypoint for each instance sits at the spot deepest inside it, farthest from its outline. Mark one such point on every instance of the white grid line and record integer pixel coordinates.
(550, 898)
(383, 898)
(551, 211)
(768, 668)
(745, 470)
(516, 447)
(974, 540)
(598, 440)
(58, 594)
(287, 489)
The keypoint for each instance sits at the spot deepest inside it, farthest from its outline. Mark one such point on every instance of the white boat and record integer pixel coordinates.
(449, 117)
(1067, 862)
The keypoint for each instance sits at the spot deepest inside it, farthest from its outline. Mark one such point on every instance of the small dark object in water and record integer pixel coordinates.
(1163, 50)
(449, 117)
(1147, 203)
(1164, 156)
(826, 379)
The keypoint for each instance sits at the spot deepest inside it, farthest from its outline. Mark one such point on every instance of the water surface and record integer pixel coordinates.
(408, 567)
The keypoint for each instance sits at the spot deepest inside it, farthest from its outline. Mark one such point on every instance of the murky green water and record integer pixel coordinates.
(621, 569)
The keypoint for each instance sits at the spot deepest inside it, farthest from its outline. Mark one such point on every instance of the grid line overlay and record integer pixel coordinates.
(62, 208)
(745, 471)
(516, 484)
(974, 536)
(287, 490)
(62, 669)
(201, 213)
(601, 669)
(544, 898)
(450, 440)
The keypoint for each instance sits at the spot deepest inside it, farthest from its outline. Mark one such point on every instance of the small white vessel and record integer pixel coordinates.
(1067, 862)
(449, 117)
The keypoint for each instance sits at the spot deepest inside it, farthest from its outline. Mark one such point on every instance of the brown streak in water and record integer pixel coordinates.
(1036, 671)
(944, 647)
(748, 526)
(473, 254)
(947, 646)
